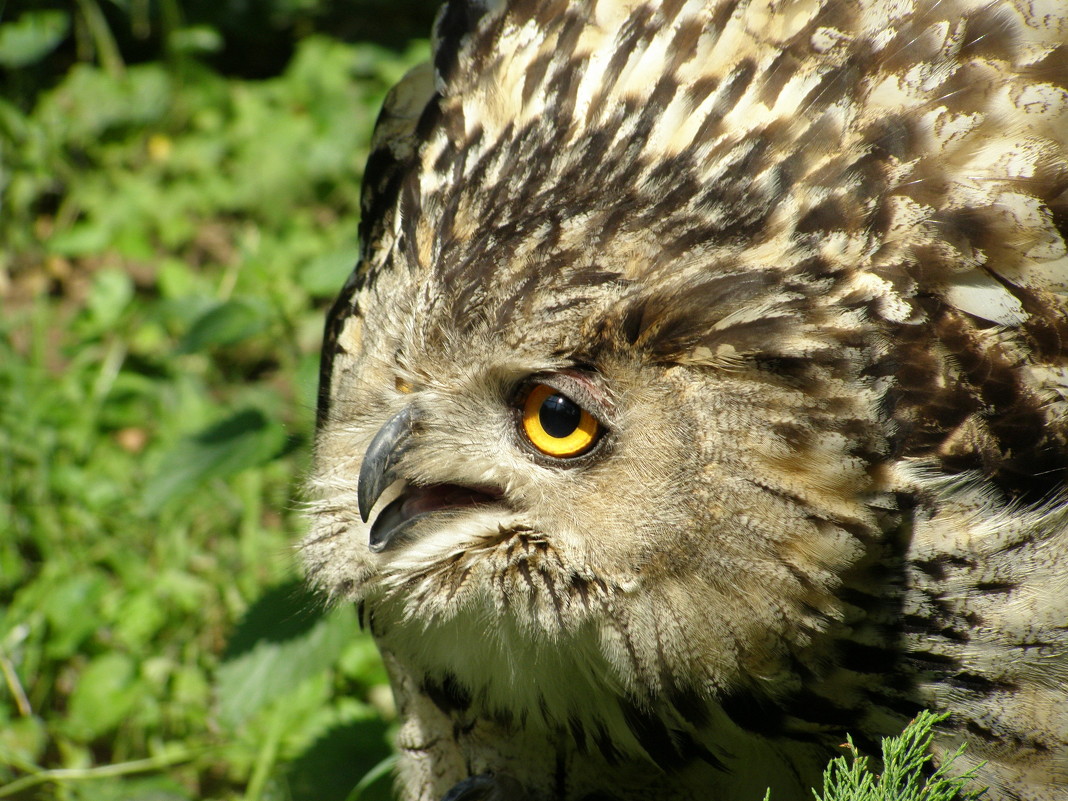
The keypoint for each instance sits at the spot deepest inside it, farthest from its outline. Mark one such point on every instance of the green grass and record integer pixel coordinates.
(171, 239)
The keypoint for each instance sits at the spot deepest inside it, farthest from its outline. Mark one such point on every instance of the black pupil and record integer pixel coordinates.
(559, 416)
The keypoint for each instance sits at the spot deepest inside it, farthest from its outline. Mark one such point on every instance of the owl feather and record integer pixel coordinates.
(802, 264)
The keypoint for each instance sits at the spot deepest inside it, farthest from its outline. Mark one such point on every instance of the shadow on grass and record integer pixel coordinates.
(336, 762)
(283, 612)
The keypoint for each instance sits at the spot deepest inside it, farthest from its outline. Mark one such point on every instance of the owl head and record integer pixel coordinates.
(662, 310)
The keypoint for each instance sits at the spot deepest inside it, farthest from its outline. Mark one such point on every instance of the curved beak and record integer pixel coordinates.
(385, 450)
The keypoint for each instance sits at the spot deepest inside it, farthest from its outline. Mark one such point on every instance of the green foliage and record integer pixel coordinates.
(169, 240)
(903, 776)
(31, 37)
(280, 642)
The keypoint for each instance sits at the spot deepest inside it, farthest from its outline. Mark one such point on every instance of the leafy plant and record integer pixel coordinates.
(903, 773)
(170, 240)
(31, 37)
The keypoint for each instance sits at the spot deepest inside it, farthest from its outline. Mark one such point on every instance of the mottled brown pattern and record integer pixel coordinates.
(805, 260)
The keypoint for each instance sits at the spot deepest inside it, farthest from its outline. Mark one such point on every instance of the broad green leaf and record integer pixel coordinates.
(32, 37)
(82, 239)
(141, 617)
(243, 440)
(225, 324)
(190, 686)
(324, 276)
(284, 638)
(134, 242)
(196, 39)
(71, 608)
(24, 738)
(109, 295)
(90, 102)
(176, 279)
(102, 697)
(361, 662)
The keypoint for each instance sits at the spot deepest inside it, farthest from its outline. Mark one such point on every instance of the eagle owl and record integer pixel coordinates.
(701, 396)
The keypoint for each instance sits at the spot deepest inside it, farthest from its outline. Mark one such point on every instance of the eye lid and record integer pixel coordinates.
(575, 385)
(582, 390)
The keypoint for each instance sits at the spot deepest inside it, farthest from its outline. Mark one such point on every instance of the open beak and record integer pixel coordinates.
(415, 502)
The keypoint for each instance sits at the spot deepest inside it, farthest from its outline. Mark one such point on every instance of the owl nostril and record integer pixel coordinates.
(415, 503)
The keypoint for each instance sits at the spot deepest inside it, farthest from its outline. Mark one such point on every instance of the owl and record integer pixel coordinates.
(701, 396)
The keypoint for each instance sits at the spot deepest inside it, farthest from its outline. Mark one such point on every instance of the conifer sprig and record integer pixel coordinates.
(853, 777)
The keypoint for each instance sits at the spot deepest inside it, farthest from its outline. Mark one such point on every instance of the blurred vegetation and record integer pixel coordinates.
(179, 185)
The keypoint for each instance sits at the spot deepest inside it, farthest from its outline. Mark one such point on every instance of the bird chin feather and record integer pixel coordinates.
(489, 563)
(485, 600)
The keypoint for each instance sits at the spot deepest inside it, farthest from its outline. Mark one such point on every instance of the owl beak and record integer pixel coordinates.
(415, 503)
(385, 450)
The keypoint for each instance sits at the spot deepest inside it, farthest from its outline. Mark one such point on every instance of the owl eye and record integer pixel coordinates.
(556, 425)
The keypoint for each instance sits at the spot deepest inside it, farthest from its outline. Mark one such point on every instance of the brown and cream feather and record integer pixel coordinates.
(806, 262)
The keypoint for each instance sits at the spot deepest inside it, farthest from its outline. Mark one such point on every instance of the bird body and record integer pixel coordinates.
(702, 396)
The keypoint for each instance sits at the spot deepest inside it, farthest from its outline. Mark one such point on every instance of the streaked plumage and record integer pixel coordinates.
(805, 263)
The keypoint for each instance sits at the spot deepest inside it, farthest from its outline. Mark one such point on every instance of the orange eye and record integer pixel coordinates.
(556, 425)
